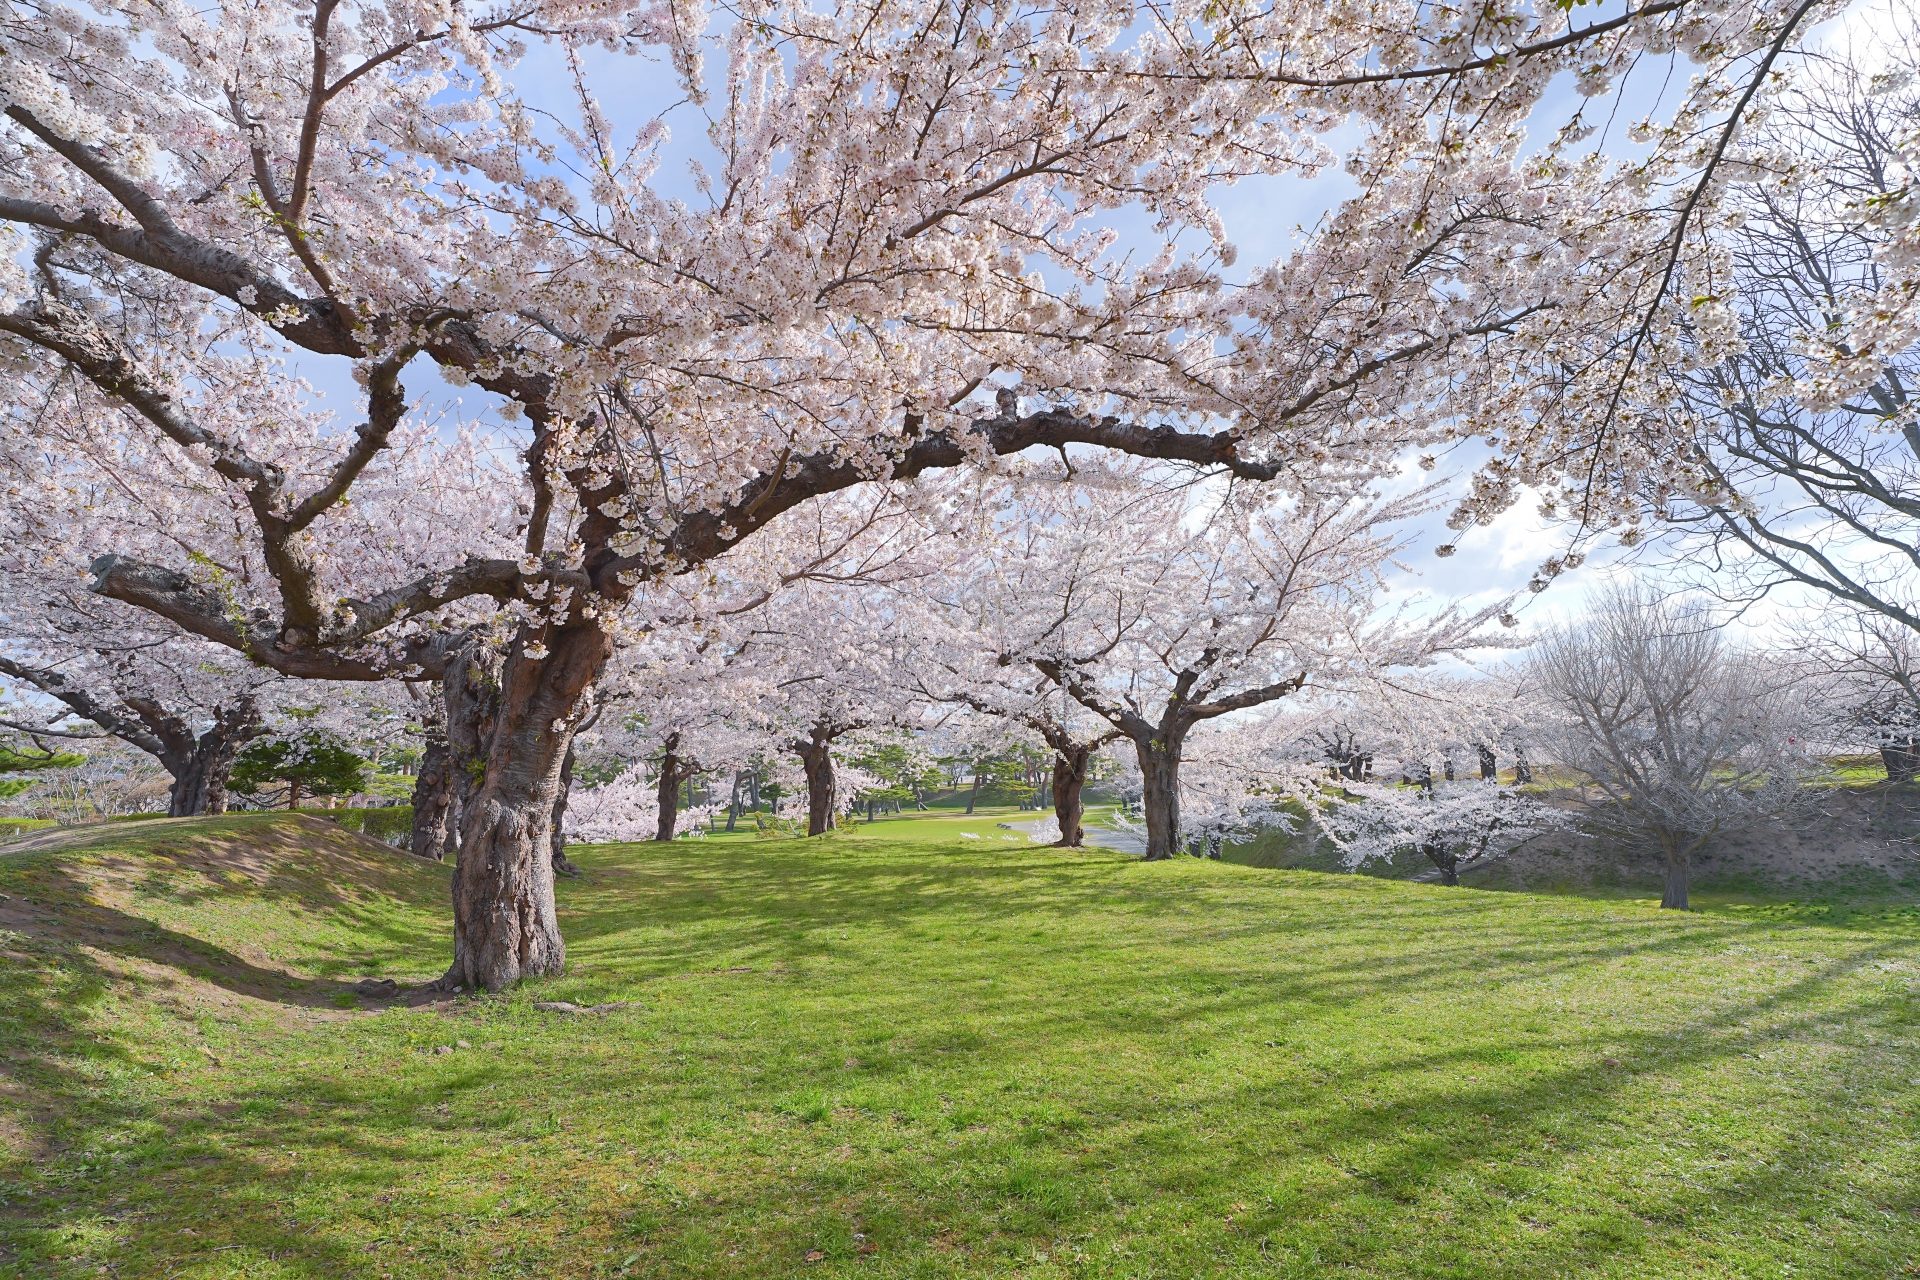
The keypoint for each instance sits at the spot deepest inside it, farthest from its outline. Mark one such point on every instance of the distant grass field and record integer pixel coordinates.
(896, 1052)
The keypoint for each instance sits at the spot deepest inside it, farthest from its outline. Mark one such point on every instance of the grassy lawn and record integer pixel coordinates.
(901, 1053)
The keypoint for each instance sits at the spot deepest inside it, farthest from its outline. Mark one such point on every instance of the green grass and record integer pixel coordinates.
(897, 1053)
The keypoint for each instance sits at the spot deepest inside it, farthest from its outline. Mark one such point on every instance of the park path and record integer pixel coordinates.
(1105, 837)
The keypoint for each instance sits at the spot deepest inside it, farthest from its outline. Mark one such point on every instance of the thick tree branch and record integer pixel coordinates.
(315, 324)
(86, 706)
(702, 535)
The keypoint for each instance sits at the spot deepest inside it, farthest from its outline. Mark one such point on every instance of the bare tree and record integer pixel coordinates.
(1817, 495)
(1676, 735)
(1865, 668)
(114, 780)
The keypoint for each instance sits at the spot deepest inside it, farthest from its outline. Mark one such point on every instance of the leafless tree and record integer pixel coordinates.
(1865, 670)
(112, 781)
(1675, 734)
(1822, 497)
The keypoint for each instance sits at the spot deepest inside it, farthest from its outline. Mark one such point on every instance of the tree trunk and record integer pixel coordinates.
(1522, 775)
(509, 725)
(816, 757)
(563, 865)
(1069, 776)
(436, 831)
(976, 791)
(733, 803)
(1902, 761)
(1160, 775)
(200, 781)
(1678, 870)
(668, 794)
(293, 795)
(1443, 857)
(1489, 765)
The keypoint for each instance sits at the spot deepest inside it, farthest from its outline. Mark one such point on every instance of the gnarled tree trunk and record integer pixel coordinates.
(816, 758)
(200, 783)
(1678, 875)
(674, 771)
(1069, 776)
(199, 768)
(436, 831)
(562, 865)
(1160, 778)
(1902, 760)
(509, 724)
(1443, 857)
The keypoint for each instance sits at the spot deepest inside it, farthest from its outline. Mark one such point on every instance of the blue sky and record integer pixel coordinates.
(1262, 216)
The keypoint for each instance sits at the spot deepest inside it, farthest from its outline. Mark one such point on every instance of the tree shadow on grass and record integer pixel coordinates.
(1173, 1075)
(253, 884)
(1314, 1174)
(771, 913)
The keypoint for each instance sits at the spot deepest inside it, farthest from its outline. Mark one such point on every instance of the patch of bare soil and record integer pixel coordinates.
(22, 1127)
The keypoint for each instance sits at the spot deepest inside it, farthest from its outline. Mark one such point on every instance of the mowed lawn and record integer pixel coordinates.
(897, 1052)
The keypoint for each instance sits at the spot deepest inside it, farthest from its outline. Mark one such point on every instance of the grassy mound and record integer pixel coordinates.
(900, 1052)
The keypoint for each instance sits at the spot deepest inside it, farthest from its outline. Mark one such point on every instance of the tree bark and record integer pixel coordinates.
(1443, 857)
(975, 795)
(1069, 776)
(816, 758)
(436, 830)
(509, 724)
(1902, 761)
(1489, 765)
(1160, 776)
(1678, 874)
(673, 772)
(563, 865)
(200, 783)
(667, 793)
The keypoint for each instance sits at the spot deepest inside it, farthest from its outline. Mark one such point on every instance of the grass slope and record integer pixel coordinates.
(900, 1053)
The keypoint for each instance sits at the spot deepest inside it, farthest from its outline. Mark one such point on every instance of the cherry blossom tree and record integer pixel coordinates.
(946, 668)
(903, 218)
(1157, 612)
(831, 658)
(1451, 824)
(1863, 671)
(93, 667)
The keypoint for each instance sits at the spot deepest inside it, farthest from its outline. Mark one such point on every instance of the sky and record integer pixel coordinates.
(1263, 218)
